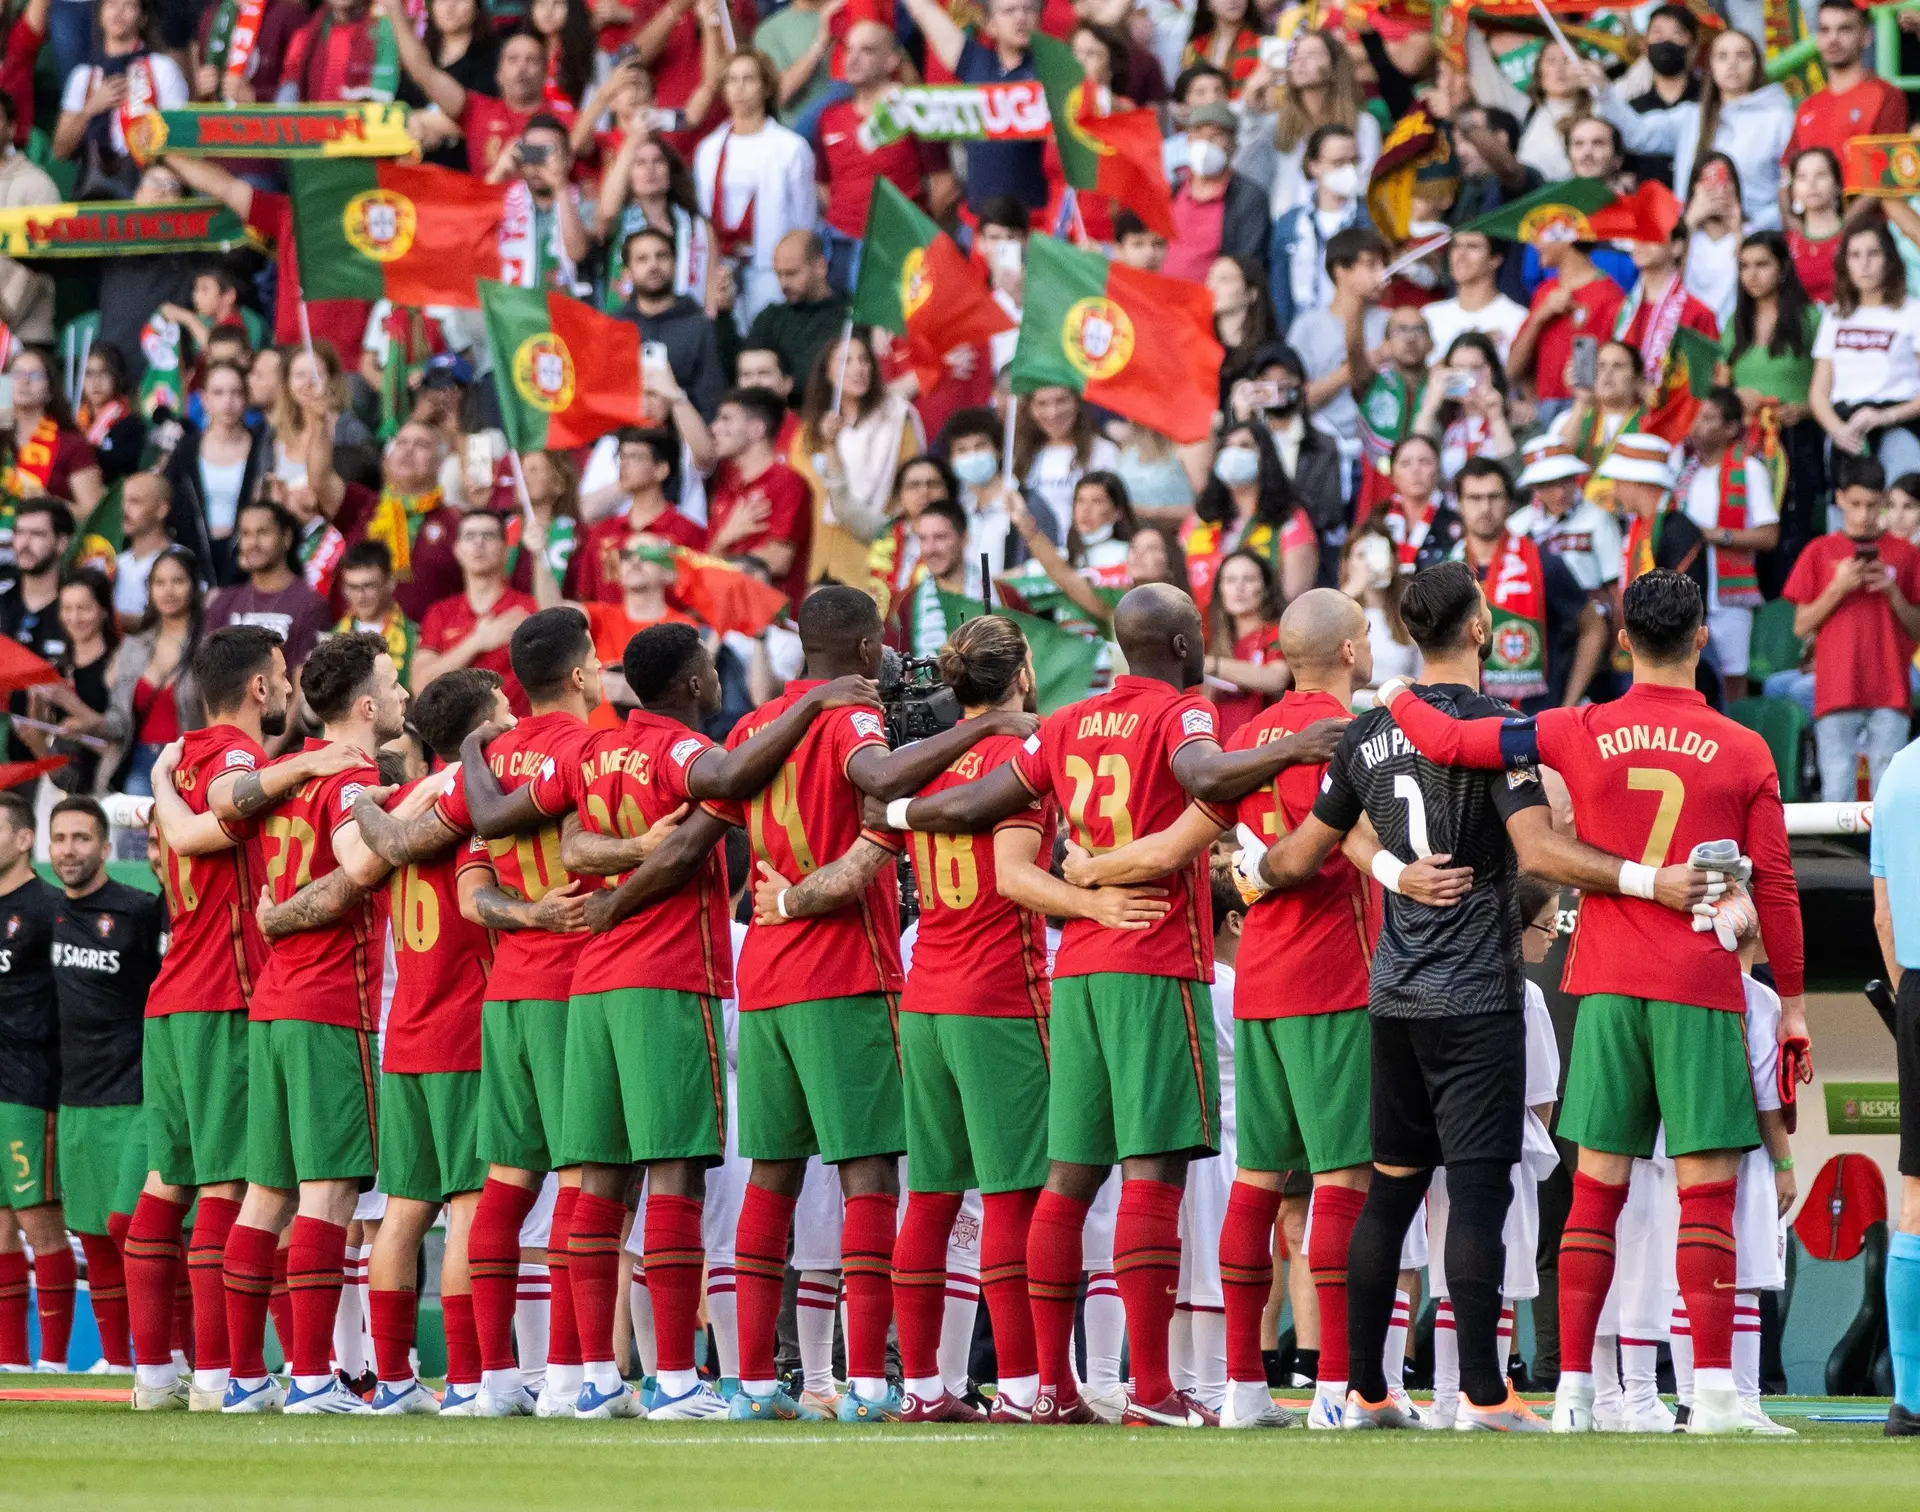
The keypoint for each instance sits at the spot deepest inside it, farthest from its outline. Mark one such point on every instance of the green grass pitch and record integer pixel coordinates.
(95, 1455)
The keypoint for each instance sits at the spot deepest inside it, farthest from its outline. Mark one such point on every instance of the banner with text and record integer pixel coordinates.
(1009, 112)
(108, 228)
(368, 129)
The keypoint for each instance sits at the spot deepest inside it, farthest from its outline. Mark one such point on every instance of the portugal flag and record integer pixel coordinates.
(723, 596)
(565, 373)
(1115, 155)
(1686, 378)
(1552, 213)
(916, 283)
(1139, 344)
(417, 235)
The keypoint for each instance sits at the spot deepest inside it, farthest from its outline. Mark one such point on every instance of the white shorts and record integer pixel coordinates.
(817, 1218)
(1639, 1304)
(535, 1232)
(1203, 1209)
(1730, 634)
(1759, 1232)
(1096, 1238)
(370, 1207)
(1521, 1236)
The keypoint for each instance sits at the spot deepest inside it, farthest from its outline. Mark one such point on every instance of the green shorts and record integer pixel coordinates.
(646, 1078)
(32, 1158)
(1134, 1069)
(429, 1133)
(976, 1100)
(523, 1064)
(1639, 1061)
(1302, 1090)
(193, 1070)
(103, 1163)
(310, 1103)
(821, 1078)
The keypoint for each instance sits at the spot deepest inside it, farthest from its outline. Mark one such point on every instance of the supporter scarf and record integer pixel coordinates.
(373, 60)
(1735, 579)
(396, 630)
(164, 381)
(692, 251)
(34, 456)
(320, 550)
(6, 347)
(1207, 543)
(1643, 541)
(138, 113)
(96, 423)
(736, 240)
(918, 611)
(235, 33)
(528, 260)
(1516, 588)
(1386, 414)
(1409, 533)
(1592, 450)
(1011, 111)
(552, 95)
(562, 537)
(1661, 325)
(396, 522)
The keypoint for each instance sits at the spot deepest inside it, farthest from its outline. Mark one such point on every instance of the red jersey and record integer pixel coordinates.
(329, 975)
(1653, 774)
(849, 170)
(1693, 315)
(977, 953)
(789, 516)
(1261, 647)
(1594, 307)
(810, 815)
(1108, 762)
(1873, 107)
(452, 620)
(440, 960)
(215, 951)
(1862, 652)
(593, 573)
(621, 782)
(1309, 947)
(491, 126)
(527, 963)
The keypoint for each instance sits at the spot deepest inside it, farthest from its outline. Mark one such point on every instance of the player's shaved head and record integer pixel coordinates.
(1317, 624)
(840, 631)
(1159, 632)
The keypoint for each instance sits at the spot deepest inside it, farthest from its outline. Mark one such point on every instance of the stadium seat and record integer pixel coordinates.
(1775, 647)
(1784, 725)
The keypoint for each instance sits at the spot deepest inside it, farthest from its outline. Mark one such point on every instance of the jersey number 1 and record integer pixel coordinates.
(1407, 790)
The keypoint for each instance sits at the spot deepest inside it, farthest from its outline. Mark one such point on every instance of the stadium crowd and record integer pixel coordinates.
(416, 723)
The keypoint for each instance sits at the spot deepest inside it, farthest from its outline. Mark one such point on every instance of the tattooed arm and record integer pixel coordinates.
(587, 854)
(562, 911)
(832, 887)
(398, 839)
(315, 905)
(236, 796)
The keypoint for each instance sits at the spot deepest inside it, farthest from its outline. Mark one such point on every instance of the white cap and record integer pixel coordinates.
(1639, 458)
(1549, 459)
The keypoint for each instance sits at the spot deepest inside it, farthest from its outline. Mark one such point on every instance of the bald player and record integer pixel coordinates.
(1301, 1041)
(1134, 1076)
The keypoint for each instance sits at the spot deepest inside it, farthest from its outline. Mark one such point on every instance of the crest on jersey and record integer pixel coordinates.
(13, 925)
(105, 925)
(1548, 225)
(543, 372)
(547, 769)
(380, 224)
(916, 282)
(1519, 777)
(1097, 337)
(1516, 644)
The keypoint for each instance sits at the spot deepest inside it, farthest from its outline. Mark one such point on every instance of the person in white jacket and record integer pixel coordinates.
(755, 181)
(1738, 113)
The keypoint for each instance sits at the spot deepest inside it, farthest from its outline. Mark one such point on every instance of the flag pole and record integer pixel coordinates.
(1554, 27)
(986, 583)
(520, 487)
(1006, 456)
(840, 378)
(726, 28)
(306, 334)
(1432, 244)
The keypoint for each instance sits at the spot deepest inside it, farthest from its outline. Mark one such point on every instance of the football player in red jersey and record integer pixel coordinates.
(208, 787)
(1135, 1079)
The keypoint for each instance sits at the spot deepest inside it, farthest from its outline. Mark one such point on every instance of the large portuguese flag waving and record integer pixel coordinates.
(1139, 344)
(565, 373)
(417, 235)
(1117, 155)
(917, 283)
(1552, 213)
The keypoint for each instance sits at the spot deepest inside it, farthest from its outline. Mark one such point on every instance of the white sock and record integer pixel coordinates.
(180, 1363)
(1639, 1370)
(251, 1383)
(1250, 1397)
(924, 1388)
(1607, 1395)
(500, 1383)
(1446, 1361)
(1680, 1341)
(813, 1318)
(565, 1381)
(1180, 1348)
(1716, 1379)
(724, 1320)
(1394, 1362)
(1504, 1337)
(1020, 1391)
(869, 1388)
(956, 1330)
(400, 1385)
(759, 1388)
(155, 1377)
(312, 1383)
(211, 1380)
(1746, 1346)
(673, 1383)
(640, 1304)
(349, 1352)
(601, 1375)
(530, 1302)
(1105, 1318)
(1210, 1358)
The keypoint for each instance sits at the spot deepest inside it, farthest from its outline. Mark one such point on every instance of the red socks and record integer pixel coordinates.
(866, 1262)
(55, 1276)
(493, 1261)
(1146, 1263)
(205, 1252)
(280, 1303)
(1706, 1269)
(152, 1259)
(593, 1271)
(13, 1308)
(316, 1257)
(920, 1280)
(107, 1290)
(675, 1255)
(1004, 1227)
(563, 1326)
(1053, 1289)
(760, 1273)
(463, 1345)
(391, 1320)
(1586, 1265)
(247, 1269)
(1246, 1274)
(1335, 1211)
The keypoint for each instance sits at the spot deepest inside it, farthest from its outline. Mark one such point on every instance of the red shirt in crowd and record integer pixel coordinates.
(453, 619)
(1861, 654)
(789, 516)
(1196, 241)
(594, 572)
(1594, 307)
(1873, 107)
(490, 127)
(849, 170)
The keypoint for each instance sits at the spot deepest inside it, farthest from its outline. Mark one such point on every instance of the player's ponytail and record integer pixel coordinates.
(981, 659)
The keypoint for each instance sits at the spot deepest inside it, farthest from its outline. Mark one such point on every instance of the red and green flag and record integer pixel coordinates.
(1686, 379)
(1139, 344)
(719, 594)
(1883, 167)
(915, 282)
(1552, 213)
(372, 229)
(1063, 660)
(565, 373)
(1116, 155)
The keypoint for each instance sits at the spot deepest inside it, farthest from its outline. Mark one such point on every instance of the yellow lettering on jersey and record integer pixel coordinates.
(1107, 725)
(969, 766)
(1630, 738)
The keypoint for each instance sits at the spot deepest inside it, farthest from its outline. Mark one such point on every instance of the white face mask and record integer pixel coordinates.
(1343, 181)
(1237, 466)
(975, 467)
(1208, 159)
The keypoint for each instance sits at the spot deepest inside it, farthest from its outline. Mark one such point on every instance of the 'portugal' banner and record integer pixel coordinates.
(417, 235)
(1139, 344)
(121, 228)
(282, 131)
(1014, 111)
(1883, 167)
(565, 373)
(1115, 155)
(915, 282)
